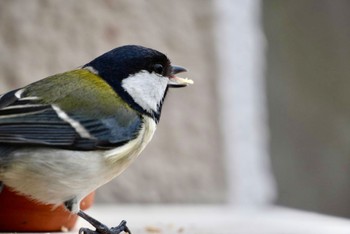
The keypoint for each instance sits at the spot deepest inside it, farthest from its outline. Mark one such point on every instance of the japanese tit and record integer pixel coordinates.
(66, 135)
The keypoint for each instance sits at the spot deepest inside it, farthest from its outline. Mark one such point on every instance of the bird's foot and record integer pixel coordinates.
(100, 227)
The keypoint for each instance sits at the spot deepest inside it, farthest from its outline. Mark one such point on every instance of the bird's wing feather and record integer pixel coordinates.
(26, 119)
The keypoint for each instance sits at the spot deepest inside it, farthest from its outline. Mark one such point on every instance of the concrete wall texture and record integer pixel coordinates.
(184, 162)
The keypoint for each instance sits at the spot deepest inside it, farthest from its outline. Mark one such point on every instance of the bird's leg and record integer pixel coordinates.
(72, 205)
(101, 228)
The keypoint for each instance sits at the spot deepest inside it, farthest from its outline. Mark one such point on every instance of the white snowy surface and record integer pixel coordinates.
(171, 219)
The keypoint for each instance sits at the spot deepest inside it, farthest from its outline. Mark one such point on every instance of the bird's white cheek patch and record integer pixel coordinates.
(147, 89)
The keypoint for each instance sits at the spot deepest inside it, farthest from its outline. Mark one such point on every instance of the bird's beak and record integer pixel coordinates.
(175, 81)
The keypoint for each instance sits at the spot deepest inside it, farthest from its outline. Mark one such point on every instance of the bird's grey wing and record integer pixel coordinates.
(27, 121)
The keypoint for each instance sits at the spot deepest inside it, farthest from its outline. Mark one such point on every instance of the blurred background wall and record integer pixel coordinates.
(241, 131)
(241, 46)
(308, 82)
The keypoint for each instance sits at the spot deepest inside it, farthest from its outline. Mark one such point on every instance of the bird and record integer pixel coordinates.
(64, 136)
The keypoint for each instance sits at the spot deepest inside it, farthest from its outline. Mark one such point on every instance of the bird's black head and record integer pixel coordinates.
(140, 75)
(124, 61)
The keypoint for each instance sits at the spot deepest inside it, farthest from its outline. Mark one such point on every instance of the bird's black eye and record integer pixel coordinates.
(158, 68)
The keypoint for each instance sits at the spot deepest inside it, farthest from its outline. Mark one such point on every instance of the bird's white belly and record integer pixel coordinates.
(56, 177)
